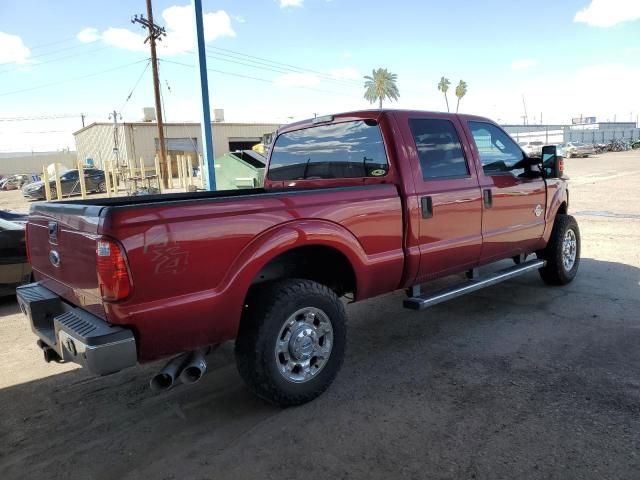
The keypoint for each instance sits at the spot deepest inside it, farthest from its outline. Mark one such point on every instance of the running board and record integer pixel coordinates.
(421, 302)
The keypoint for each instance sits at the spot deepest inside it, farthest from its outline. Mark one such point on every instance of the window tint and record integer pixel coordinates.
(439, 148)
(72, 175)
(341, 150)
(498, 152)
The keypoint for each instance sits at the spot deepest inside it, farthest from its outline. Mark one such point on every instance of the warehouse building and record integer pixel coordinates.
(105, 142)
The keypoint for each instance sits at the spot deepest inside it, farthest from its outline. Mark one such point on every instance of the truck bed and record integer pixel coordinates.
(198, 252)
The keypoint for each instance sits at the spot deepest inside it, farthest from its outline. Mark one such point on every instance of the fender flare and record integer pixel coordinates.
(271, 243)
(560, 196)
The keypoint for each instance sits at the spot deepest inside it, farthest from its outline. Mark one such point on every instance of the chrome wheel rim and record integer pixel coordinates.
(304, 345)
(569, 250)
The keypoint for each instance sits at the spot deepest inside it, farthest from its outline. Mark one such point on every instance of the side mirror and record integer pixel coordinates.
(553, 165)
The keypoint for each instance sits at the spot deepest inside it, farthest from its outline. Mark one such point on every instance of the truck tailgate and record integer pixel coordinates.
(62, 246)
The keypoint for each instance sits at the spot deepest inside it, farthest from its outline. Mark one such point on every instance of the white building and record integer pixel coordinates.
(101, 142)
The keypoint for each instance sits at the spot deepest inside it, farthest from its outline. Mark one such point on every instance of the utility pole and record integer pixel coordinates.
(156, 32)
(116, 149)
(209, 173)
(82, 115)
(525, 117)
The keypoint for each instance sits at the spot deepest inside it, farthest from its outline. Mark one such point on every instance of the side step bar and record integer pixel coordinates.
(421, 302)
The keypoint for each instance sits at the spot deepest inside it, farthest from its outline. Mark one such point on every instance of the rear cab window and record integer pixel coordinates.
(439, 149)
(350, 149)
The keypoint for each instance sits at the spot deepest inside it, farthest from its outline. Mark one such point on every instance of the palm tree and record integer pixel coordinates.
(461, 91)
(443, 86)
(380, 85)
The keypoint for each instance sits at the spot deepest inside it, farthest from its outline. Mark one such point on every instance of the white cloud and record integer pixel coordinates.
(290, 3)
(180, 36)
(523, 64)
(13, 49)
(88, 35)
(238, 18)
(345, 73)
(347, 54)
(297, 80)
(607, 13)
(126, 39)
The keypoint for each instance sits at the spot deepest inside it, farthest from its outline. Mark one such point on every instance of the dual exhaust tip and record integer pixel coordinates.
(188, 368)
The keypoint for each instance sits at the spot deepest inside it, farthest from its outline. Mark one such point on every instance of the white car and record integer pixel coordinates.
(533, 149)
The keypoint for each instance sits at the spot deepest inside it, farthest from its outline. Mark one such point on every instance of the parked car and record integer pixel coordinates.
(577, 149)
(15, 182)
(533, 149)
(14, 267)
(356, 204)
(70, 183)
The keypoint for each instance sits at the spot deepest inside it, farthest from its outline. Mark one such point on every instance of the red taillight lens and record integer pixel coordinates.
(113, 272)
(560, 167)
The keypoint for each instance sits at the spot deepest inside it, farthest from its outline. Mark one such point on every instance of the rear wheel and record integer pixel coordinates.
(102, 187)
(562, 252)
(291, 341)
(54, 193)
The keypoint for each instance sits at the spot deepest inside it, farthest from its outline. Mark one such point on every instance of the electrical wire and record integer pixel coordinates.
(46, 85)
(249, 77)
(285, 67)
(53, 60)
(135, 85)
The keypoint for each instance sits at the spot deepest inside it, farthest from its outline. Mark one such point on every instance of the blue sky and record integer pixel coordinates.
(567, 58)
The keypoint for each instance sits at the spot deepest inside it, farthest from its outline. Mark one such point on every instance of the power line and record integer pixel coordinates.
(250, 77)
(274, 68)
(276, 64)
(37, 87)
(135, 85)
(33, 65)
(39, 117)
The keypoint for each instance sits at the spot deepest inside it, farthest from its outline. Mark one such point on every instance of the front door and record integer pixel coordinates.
(514, 196)
(448, 194)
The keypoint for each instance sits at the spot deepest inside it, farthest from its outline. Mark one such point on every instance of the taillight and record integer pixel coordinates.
(113, 272)
(560, 167)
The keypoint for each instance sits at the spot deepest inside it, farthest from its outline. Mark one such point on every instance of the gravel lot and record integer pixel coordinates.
(516, 381)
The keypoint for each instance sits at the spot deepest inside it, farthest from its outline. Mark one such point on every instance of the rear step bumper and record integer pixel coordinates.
(75, 334)
(421, 302)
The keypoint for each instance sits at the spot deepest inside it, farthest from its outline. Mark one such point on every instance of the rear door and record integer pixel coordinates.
(514, 198)
(447, 191)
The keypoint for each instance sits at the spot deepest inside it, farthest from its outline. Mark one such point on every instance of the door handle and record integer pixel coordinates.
(488, 198)
(427, 207)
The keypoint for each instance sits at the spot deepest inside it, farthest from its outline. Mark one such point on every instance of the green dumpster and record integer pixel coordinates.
(240, 169)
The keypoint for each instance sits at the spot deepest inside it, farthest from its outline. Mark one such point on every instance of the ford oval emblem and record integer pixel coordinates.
(54, 258)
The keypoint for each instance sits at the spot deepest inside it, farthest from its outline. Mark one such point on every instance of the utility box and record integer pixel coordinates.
(240, 169)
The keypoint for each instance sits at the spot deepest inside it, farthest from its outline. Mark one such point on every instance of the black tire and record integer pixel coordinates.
(54, 193)
(555, 272)
(102, 187)
(268, 309)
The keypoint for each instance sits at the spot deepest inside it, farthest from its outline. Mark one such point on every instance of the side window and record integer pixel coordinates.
(498, 152)
(439, 148)
(73, 175)
(339, 150)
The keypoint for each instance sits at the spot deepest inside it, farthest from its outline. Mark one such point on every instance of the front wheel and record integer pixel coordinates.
(562, 252)
(291, 341)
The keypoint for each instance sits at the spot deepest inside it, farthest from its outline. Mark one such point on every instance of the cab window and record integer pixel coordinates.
(439, 149)
(498, 152)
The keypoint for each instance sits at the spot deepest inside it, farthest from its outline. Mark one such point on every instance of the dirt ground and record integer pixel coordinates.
(516, 381)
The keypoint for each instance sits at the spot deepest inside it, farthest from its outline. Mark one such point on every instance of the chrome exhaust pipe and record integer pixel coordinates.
(166, 378)
(194, 368)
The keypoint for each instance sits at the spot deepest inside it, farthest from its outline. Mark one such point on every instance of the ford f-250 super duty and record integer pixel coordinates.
(357, 204)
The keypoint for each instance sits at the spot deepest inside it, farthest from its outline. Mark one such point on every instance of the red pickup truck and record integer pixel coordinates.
(354, 205)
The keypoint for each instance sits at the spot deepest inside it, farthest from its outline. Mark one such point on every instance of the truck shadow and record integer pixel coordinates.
(110, 427)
